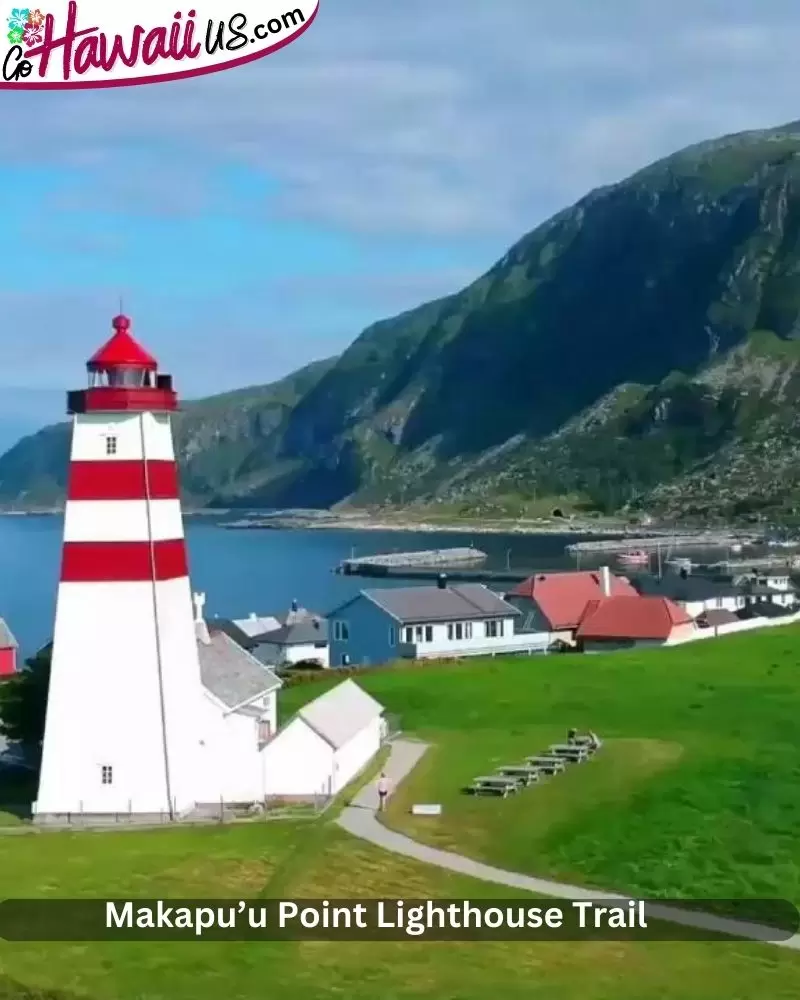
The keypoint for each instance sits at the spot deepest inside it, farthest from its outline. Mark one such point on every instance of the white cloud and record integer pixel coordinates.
(454, 118)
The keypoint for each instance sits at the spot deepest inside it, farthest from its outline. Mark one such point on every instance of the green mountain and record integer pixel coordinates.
(223, 441)
(639, 349)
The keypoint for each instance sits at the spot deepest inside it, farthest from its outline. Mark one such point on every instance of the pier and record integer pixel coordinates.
(487, 576)
(652, 543)
(432, 560)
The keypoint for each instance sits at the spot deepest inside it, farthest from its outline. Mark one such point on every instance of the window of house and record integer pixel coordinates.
(494, 629)
(450, 631)
(429, 633)
(409, 634)
(419, 633)
(264, 732)
(345, 660)
(392, 636)
(459, 630)
(106, 774)
(111, 445)
(341, 631)
(467, 630)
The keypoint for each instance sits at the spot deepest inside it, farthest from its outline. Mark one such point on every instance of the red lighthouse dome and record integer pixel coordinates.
(122, 351)
(123, 377)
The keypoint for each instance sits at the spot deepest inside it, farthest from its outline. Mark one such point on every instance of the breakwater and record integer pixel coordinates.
(430, 559)
(652, 543)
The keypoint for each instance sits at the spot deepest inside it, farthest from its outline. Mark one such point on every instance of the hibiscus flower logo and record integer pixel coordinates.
(19, 18)
(26, 25)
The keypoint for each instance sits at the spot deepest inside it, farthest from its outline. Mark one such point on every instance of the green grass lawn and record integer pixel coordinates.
(316, 860)
(694, 794)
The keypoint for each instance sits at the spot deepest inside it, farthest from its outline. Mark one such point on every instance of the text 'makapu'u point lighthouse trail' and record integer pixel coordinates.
(125, 678)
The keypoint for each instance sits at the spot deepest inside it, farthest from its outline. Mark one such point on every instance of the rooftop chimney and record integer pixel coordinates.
(200, 627)
(605, 581)
(441, 583)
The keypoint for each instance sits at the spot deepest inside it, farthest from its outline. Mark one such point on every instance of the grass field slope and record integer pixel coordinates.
(694, 794)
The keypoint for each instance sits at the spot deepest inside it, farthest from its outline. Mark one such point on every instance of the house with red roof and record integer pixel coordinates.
(555, 602)
(625, 622)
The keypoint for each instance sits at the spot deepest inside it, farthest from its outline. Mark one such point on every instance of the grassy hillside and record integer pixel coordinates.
(694, 794)
(637, 350)
(302, 861)
(219, 441)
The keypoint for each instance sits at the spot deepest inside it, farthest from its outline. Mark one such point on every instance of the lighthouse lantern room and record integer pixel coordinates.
(120, 733)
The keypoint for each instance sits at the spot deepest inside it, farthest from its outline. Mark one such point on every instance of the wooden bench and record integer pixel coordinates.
(493, 784)
(527, 774)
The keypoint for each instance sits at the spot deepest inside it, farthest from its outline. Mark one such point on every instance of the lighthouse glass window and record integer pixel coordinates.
(111, 445)
(107, 774)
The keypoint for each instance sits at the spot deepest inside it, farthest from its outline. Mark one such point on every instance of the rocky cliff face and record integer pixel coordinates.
(640, 348)
(223, 440)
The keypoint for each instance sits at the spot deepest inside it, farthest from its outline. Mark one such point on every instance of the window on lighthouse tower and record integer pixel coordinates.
(111, 445)
(106, 774)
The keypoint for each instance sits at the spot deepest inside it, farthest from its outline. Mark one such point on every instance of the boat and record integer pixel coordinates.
(636, 557)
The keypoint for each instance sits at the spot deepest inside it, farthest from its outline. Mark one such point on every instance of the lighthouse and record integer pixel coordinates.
(122, 712)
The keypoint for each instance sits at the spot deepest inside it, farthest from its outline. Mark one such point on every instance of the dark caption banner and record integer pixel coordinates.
(396, 920)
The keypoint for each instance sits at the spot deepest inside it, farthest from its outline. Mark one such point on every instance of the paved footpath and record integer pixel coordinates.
(360, 820)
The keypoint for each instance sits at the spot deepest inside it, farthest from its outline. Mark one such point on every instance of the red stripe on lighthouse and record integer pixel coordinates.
(123, 562)
(123, 480)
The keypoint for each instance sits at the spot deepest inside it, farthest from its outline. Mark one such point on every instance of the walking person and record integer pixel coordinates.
(383, 792)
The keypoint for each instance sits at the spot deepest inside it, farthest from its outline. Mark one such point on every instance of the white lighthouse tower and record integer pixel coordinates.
(122, 712)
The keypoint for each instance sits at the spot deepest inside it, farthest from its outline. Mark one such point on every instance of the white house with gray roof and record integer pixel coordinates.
(325, 745)
(238, 717)
(422, 623)
(297, 636)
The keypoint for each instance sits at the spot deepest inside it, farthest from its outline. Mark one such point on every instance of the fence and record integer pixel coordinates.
(732, 627)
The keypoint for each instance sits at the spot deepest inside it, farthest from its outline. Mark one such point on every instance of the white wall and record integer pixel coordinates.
(743, 626)
(231, 762)
(91, 430)
(122, 520)
(298, 762)
(354, 756)
(479, 641)
(104, 703)
(306, 651)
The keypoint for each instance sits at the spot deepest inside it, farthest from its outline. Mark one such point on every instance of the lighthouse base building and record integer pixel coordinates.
(149, 717)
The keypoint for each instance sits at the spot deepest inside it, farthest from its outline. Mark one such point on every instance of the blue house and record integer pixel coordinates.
(384, 624)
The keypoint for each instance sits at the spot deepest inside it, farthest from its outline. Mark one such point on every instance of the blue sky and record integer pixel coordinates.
(259, 218)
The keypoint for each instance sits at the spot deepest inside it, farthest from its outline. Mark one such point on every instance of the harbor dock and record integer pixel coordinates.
(432, 560)
(487, 576)
(652, 543)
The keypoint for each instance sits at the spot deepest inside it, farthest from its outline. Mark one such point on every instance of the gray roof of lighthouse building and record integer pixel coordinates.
(230, 673)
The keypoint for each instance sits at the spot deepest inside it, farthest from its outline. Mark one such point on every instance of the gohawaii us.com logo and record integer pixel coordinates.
(92, 43)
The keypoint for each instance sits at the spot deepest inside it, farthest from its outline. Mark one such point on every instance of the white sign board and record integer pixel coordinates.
(426, 810)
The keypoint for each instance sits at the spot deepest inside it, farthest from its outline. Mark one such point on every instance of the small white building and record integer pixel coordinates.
(297, 636)
(325, 745)
(238, 717)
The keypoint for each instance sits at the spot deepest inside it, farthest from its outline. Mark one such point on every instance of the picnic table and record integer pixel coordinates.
(570, 751)
(548, 763)
(526, 773)
(494, 784)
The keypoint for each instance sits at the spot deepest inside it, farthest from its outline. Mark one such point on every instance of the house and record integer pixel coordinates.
(555, 602)
(418, 623)
(625, 622)
(694, 593)
(298, 636)
(237, 717)
(325, 745)
(772, 588)
(8, 651)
